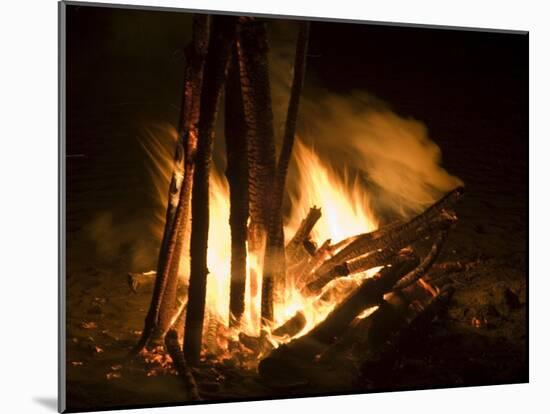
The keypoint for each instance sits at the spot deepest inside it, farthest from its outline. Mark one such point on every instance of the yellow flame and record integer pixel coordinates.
(345, 213)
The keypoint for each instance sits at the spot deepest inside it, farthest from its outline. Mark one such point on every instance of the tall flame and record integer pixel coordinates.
(346, 211)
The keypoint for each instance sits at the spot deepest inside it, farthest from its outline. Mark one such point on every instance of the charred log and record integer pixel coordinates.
(383, 237)
(219, 50)
(295, 247)
(390, 241)
(237, 177)
(439, 270)
(369, 294)
(320, 256)
(291, 327)
(374, 338)
(260, 345)
(178, 245)
(428, 261)
(188, 381)
(256, 93)
(274, 258)
(386, 353)
(177, 215)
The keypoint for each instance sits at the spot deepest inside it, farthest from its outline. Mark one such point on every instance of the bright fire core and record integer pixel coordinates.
(345, 213)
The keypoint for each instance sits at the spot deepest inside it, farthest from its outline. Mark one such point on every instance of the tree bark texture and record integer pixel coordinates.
(177, 214)
(274, 271)
(256, 93)
(222, 36)
(237, 176)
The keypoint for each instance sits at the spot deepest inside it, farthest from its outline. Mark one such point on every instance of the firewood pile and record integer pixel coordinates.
(371, 320)
(401, 283)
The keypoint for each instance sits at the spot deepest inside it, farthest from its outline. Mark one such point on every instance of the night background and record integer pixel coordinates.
(124, 83)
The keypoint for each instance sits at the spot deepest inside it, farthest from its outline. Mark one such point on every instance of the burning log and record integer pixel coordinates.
(375, 338)
(295, 247)
(178, 243)
(211, 333)
(361, 264)
(274, 258)
(219, 50)
(260, 345)
(291, 327)
(390, 241)
(368, 294)
(179, 320)
(237, 177)
(338, 247)
(428, 261)
(383, 237)
(383, 355)
(356, 245)
(256, 94)
(173, 348)
(176, 229)
(251, 342)
(320, 256)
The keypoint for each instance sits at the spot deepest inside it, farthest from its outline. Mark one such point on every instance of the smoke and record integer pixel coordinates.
(129, 231)
(393, 156)
(390, 156)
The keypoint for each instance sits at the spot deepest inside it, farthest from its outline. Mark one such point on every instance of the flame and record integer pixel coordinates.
(346, 212)
(345, 206)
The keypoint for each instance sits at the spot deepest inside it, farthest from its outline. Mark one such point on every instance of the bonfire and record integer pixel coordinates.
(279, 292)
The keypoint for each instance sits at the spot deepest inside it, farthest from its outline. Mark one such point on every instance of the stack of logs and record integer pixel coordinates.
(406, 293)
(396, 285)
(231, 53)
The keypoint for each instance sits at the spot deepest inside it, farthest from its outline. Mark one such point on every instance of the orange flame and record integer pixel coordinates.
(345, 212)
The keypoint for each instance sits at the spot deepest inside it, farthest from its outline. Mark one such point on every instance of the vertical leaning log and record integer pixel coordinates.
(219, 49)
(274, 259)
(168, 310)
(177, 214)
(237, 176)
(256, 93)
(178, 359)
